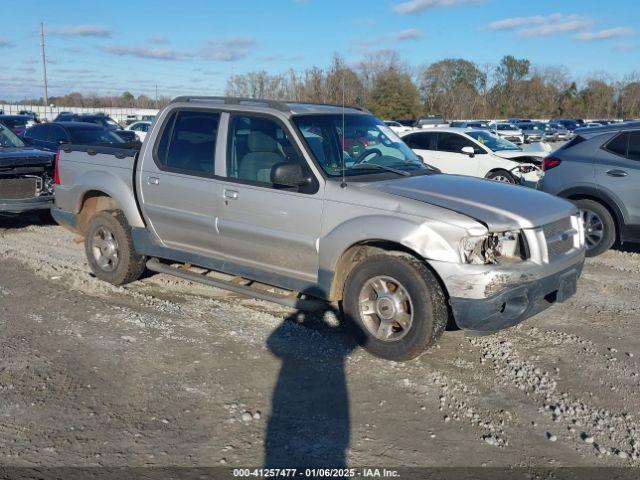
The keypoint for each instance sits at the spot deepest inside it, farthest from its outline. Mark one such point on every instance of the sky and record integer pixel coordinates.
(192, 46)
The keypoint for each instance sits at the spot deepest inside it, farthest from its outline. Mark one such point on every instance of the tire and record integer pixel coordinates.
(600, 227)
(109, 249)
(420, 295)
(502, 176)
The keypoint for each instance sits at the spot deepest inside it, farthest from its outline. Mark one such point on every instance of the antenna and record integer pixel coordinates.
(344, 139)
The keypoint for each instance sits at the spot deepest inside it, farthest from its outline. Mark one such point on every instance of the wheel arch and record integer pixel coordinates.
(603, 198)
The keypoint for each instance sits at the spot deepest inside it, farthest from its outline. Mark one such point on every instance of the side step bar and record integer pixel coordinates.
(305, 304)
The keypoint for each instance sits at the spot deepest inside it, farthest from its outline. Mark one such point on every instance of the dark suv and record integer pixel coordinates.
(599, 170)
(99, 119)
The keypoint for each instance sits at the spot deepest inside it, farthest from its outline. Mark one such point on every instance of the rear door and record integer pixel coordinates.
(180, 196)
(618, 171)
(262, 225)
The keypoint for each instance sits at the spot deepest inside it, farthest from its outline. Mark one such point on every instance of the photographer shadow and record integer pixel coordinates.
(310, 424)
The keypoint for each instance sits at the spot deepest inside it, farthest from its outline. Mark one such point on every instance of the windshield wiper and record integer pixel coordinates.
(382, 167)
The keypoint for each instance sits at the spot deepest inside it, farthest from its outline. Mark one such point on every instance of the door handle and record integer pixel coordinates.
(153, 180)
(617, 173)
(231, 194)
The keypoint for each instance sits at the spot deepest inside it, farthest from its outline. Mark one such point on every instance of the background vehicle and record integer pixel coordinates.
(531, 132)
(16, 123)
(99, 119)
(140, 128)
(476, 153)
(397, 126)
(26, 175)
(549, 134)
(508, 131)
(568, 123)
(32, 115)
(599, 171)
(393, 241)
(431, 121)
(50, 136)
(481, 124)
(562, 133)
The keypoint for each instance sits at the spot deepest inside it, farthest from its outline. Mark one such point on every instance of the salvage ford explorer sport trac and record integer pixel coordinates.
(326, 202)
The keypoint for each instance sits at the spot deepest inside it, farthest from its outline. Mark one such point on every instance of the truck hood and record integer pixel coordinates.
(499, 206)
(24, 157)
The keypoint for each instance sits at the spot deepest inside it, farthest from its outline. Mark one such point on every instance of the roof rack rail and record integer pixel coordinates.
(283, 105)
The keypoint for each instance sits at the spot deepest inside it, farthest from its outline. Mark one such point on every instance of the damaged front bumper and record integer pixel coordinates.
(488, 298)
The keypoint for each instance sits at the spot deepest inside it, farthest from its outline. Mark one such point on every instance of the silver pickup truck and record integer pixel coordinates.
(329, 204)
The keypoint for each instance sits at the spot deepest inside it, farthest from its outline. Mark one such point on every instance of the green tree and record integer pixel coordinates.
(394, 96)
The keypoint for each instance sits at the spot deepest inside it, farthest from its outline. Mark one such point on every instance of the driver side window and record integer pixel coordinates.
(454, 143)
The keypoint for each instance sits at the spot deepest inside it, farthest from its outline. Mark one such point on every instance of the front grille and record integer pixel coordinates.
(18, 188)
(560, 237)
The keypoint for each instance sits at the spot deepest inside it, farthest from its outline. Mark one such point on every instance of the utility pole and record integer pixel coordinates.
(156, 95)
(44, 68)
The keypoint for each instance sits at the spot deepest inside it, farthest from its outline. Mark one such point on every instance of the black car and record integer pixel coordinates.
(16, 123)
(49, 136)
(99, 119)
(26, 175)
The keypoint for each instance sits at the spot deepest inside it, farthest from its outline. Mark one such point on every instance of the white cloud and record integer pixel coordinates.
(148, 53)
(229, 49)
(605, 34)
(541, 25)
(412, 7)
(408, 34)
(81, 31)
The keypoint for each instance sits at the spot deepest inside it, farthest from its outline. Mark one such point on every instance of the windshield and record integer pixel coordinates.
(92, 136)
(505, 126)
(367, 145)
(492, 142)
(8, 138)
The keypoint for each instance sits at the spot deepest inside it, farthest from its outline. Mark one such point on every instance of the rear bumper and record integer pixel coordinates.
(25, 204)
(516, 304)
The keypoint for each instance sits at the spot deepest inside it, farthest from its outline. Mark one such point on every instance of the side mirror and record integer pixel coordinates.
(288, 175)
(469, 151)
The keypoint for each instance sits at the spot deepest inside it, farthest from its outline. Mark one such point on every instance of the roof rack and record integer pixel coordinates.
(282, 105)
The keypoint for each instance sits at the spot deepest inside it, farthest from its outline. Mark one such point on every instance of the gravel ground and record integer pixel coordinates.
(165, 372)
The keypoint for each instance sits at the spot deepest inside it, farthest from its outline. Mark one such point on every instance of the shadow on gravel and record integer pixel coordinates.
(23, 220)
(627, 248)
(309, 424)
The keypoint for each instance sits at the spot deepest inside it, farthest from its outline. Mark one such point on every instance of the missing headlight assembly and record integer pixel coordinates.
(494, 248)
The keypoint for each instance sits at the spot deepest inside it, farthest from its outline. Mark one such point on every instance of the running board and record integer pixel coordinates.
(304, 304)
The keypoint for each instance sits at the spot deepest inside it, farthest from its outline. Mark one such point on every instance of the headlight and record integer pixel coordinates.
(493, 248)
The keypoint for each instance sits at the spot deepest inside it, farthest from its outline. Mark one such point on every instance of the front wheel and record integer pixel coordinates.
(109, 248)
(395, 305)
(502, 176)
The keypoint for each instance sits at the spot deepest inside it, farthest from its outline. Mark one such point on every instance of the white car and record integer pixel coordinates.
(508, 131)
(141, 128)
(477, 153)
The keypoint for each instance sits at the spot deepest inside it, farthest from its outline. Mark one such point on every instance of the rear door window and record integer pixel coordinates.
(188, 143)
(619, 145)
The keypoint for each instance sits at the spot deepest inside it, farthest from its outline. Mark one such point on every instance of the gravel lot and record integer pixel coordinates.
(165, 372)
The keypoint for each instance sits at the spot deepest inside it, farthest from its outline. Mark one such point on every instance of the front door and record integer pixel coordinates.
(262, 225)
(452, 159)
(180, 196)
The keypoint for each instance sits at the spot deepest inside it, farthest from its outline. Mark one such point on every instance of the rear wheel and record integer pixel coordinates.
(600, 228)
(109, 249)
(502, 176)
(396, 306)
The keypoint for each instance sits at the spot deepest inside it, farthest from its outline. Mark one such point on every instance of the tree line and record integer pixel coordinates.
(454, 87)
